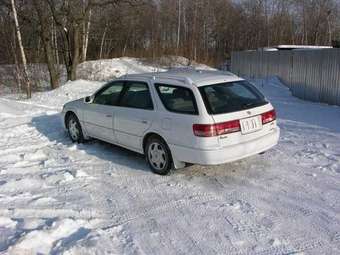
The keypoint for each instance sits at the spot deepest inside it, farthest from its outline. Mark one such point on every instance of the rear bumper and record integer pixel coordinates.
(226, 154)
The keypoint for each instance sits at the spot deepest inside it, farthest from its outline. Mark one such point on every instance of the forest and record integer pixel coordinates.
(69, 32)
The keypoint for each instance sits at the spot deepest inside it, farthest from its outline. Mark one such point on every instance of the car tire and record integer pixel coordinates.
(74, 129)
(158, 155)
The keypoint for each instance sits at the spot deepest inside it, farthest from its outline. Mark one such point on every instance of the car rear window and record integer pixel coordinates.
(177, 99)
(231, 97)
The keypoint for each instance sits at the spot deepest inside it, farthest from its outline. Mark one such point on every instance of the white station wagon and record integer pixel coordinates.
(177, 117)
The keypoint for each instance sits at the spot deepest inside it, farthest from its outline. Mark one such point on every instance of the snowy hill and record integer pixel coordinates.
(107, 69)
(103, 70)
(93, 74)
(62, 198)
(97, 70)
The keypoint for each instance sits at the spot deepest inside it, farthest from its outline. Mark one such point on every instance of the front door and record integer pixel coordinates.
(99, 115)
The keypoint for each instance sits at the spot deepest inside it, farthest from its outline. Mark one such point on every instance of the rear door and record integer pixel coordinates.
(134, 115)
(99, 115)
(238, 100)
(180, 113)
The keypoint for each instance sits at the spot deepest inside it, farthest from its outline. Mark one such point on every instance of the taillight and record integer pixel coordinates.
(228, 127)
(209, 130)
(203, 130)
(268, 117)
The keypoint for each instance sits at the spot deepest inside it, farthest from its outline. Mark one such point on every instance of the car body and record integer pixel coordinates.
(203, 117)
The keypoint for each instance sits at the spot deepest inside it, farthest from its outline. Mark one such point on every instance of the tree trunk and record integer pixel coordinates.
(86, 32)
(22, 51)
(55, 43)
(17, 72)
(329, 25)
(178, 26)
(102, 42)
(47, 37)
(71, 48)
(127, 39)
(54, 74)
(75, 53)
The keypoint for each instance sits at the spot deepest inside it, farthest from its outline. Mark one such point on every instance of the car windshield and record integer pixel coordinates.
(231, 97)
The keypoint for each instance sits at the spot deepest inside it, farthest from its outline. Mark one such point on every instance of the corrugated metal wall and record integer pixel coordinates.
(312, 74)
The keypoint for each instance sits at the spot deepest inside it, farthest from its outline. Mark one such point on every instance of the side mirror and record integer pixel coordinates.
(88, 99)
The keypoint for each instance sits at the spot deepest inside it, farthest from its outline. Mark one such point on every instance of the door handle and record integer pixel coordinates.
(108, 115)
(144, 121)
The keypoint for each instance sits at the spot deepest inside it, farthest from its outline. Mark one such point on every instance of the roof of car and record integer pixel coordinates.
(189, 76)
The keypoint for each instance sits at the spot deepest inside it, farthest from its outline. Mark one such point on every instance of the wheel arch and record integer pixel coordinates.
(67, 115)
(177, 164)
(148, 135)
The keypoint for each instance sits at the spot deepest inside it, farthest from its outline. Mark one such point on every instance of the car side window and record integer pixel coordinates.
(137, 95)
(109, 95)
(177, 99)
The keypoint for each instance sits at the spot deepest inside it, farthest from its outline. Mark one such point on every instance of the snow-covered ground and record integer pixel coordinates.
(62, 198)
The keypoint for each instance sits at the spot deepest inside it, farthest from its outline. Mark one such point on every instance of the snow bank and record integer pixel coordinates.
(108, 69)
(71, 90)
(92, 75)
(97, 70)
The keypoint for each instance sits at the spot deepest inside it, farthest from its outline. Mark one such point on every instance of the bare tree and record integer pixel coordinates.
(70, 31)
(22, 51)
(103, 41)
(86, 33)
(179, 24)
(49, 42)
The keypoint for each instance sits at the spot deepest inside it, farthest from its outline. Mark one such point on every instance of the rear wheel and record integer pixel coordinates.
(74, 129)
(158, 155)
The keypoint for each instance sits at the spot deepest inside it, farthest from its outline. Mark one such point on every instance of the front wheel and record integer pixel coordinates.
(158, 155)
(74, 129)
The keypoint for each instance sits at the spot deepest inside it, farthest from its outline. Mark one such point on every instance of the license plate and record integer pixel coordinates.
(251, 125)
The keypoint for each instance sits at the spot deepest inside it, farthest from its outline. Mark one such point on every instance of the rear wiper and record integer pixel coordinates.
(248, 105)
(254, 104)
